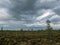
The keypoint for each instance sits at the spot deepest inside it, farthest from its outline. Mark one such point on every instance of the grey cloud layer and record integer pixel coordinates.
(22, 8)
(27, 10)
(29, 7)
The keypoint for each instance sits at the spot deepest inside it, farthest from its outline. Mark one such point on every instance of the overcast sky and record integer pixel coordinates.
(17, 14)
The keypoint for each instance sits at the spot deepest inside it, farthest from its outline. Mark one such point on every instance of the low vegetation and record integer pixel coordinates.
(29, 37)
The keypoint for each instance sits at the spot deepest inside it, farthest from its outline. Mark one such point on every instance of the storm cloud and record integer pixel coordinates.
(22, 8)
(29, 13)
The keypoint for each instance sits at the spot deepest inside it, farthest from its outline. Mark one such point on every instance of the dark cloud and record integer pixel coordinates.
(5, 4)
(56, 20)
(28, 7)
(47, 5)
(27, 10)
(22, 7)
(57, 11)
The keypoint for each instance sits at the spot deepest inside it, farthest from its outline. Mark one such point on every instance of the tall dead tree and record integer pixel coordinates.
(1, 28)
(49, 29)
